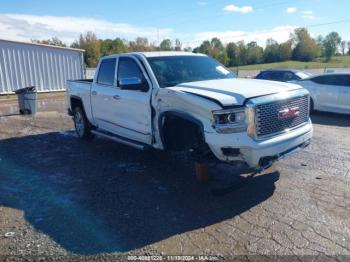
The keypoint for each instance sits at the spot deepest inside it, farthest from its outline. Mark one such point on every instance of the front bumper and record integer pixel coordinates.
(257, 153)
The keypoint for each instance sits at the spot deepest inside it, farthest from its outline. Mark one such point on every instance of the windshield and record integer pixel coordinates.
(303, 75)
(174, 70)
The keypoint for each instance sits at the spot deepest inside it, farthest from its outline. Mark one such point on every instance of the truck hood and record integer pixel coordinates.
(230, 92)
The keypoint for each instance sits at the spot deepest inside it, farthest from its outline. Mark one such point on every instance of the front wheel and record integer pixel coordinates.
(82, 125)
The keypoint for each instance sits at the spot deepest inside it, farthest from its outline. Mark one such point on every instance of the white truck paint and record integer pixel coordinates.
(141, 104)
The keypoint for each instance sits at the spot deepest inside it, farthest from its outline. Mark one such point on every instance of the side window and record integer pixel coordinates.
(261, 75)
(342, 80)
(346, 80)
(322, 80)
(106, 72)
(128, 68)
(337, 80)
(277, 76)
(265, 75)
(288, 76)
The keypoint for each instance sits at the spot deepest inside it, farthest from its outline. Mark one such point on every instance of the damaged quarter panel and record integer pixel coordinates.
(190, 105)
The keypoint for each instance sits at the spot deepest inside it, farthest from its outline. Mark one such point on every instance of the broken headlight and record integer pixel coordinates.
(230, 120)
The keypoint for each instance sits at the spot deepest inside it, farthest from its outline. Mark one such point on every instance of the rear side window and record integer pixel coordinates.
(107, 72)
(337, 80)
(343, 80)
(322, 80)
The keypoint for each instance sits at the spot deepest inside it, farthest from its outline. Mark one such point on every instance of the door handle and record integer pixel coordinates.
(94, 93)
(116, 97)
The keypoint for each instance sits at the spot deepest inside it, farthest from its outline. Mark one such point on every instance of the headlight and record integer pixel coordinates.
(230, 120)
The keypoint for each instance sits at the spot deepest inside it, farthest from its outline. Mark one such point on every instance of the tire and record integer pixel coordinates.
(81, 124)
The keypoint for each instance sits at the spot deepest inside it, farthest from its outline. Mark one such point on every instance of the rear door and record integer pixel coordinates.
(102, 92)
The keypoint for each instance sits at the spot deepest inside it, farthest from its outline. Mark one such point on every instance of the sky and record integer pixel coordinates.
(191, 21)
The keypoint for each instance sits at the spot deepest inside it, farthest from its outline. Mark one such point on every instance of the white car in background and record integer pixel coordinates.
(329, 92)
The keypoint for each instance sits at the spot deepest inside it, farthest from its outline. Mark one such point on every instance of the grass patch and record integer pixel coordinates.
(336, 62)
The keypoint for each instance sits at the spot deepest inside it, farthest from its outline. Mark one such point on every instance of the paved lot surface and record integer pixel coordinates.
(59, 195)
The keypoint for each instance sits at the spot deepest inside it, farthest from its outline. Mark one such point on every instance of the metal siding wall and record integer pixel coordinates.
(46, 68)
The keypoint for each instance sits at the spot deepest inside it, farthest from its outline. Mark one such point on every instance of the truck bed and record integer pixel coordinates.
(79, 89)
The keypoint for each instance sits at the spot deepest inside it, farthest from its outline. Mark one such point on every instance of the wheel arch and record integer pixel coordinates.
(76, 101)
(181, 116)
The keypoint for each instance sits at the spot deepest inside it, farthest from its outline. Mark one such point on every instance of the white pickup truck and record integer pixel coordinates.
(185, 101)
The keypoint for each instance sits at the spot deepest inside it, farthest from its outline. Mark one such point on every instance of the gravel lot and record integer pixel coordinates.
(61, 196)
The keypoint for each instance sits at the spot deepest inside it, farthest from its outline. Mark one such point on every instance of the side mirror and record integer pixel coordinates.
(133, 83)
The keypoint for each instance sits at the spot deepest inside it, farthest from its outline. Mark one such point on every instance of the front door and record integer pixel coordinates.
(133, 117)
(326, 92)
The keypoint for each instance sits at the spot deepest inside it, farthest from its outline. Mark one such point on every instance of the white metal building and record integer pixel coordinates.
(46, 67)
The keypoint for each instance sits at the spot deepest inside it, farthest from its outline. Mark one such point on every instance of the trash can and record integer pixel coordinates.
(27, 98)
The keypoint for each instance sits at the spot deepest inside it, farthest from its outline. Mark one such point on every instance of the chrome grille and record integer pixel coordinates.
(268, 122)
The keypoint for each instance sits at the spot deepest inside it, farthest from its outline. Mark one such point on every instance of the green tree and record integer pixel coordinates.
(285, 51)
(330, 44)
(254, 53)
(271, 52)
(140, 44)
(216, 45)
(204, 48)
(116, 46)
(242, 53)
(306, 48)
(232, 51)
(92, 47)
(213, 48)
(166, 45)
(222, 58)
(178, 45)
(319, 42)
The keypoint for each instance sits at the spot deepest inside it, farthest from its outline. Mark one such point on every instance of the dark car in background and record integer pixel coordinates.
(282, 75)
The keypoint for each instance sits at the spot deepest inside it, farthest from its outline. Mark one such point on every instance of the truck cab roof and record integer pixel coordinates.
(158, 54)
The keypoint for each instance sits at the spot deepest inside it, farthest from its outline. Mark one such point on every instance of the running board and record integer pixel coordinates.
(120, 140)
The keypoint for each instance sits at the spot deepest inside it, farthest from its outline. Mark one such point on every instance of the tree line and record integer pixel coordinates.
(300, 47)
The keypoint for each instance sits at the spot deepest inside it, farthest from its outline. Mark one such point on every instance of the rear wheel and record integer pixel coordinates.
(82, 125)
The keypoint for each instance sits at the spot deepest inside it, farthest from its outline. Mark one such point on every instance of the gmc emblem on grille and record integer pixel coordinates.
(288, 113)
